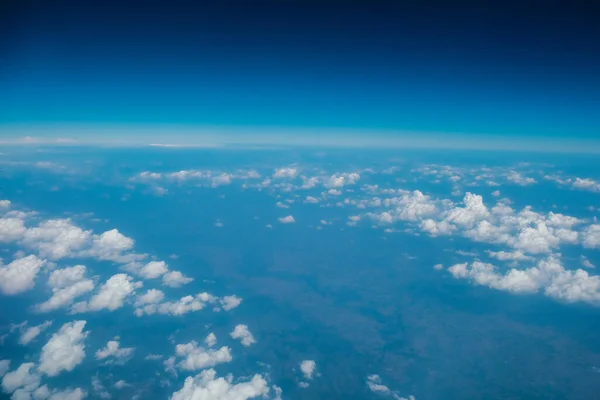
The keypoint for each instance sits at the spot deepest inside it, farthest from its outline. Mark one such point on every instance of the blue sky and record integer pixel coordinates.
(515, 72)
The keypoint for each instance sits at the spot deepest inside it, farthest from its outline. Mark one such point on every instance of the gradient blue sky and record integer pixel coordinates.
(478, 68)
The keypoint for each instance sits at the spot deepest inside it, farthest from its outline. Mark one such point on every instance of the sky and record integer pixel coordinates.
(468, 72)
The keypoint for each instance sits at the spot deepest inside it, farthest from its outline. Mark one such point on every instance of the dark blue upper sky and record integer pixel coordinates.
(516, 68)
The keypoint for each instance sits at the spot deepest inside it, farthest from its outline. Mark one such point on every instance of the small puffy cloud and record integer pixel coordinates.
(113, 350)
(519, 179)
(206, 385)
(285, 173)
(586, 184)
(121, 384)
(65, 349)
(23, 377)
(153, 270)
(151, 304)
(496, 193)
(281, 205)
(438, 267)
(287, 220)
(61, 278)
(68, 394)
(311, 200)
(19, 276)
(374, 384)
(591, 236)
(586, 263)
(4, 203)
(56, 239)
(230, 302)
(11, 229)
(308, 368)
(175, 279)
(196, 357)
(67, 284)
(110, 245)
(111, 295)
(152, 296)
(242, 332)
(32, 332)
(211, 340)
(516, 255)
(341, 179)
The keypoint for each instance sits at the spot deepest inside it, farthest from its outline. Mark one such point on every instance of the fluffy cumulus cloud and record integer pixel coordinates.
(111, 295)
(4, 367)
(111, 245)
(67, 284)
(340, 180)
(114, 351)
(69, 394)
(308, 367)
(242, 333)
(56, 239)
(11, 229)
(211, 340)
(548, 276)
(591, 236)
(196, 357)
(175, 279)
(287, 220)
(151, 303)
(230, 302)
(153, 270)
(586, 184)
(206, 385)
(25, 378)
(32, 332)
(65, 349)
(285, 173)
(19, 276)
(375, 385)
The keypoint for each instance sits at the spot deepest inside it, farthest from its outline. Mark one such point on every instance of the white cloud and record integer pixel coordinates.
(67, 284)
(519, 179)
(175, 279)
(287, 220)
(548, 276)
(342, 179)
(308, 368)
(438, 267)
(211, 340)
(121, 384)
(496, 193)
(230, 302)
(591, 236)
(65, 349)
(586, 184)
(242, 332)
(516, 255)
(473, 211)
(182, 306)
(281, 205)
(586, 263)
(285, 173)
(19, 276)
(374, 384)
(111, 295)
(56, 239)
(153, 270)
(69, 394)
(311, 200)
(65, 297)
(32, 332)
(152, 296)
(4, 203)
(11, 229)
(61, 278)
(206, 385)
(23, 377)
(110, 245)
(113, 349)
(196, 357)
